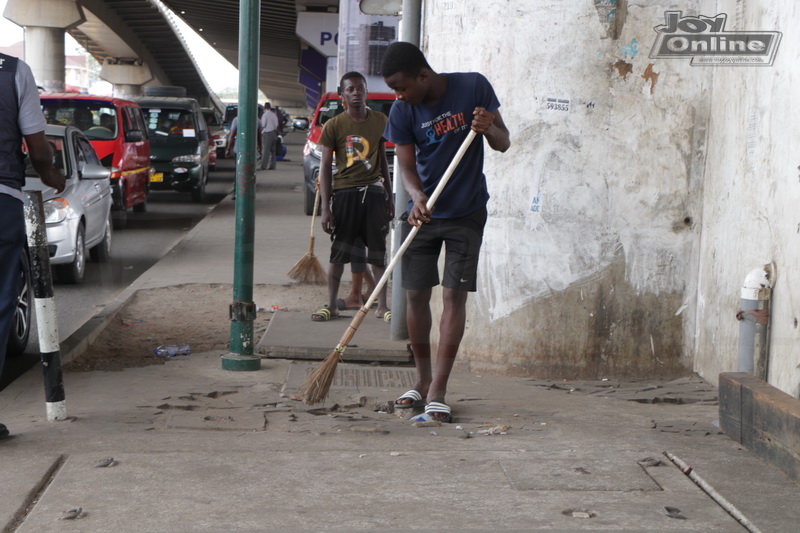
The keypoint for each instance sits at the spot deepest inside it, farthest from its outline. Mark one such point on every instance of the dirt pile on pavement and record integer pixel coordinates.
(195, 314)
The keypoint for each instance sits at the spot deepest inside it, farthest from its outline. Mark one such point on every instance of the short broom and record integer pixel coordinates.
(308, 269)
(318, 383)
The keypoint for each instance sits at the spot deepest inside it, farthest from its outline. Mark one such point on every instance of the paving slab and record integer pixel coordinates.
(22, 475)
(342, 491)
(371, 342)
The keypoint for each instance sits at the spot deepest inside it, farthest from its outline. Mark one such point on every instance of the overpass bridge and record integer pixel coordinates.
(137, 43)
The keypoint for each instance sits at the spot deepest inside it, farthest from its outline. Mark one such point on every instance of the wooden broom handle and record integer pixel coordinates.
(431, 201)
(314, 218)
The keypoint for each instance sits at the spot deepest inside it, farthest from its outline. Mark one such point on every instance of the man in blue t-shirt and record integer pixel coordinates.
(428, 123)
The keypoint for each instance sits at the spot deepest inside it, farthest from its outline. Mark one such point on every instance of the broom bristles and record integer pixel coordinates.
(317, 385)
(309, 270)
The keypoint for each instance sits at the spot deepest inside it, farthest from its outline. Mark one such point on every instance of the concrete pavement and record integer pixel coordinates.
(198, 448)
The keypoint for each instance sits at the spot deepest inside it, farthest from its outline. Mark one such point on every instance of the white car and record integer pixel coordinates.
(78, 220)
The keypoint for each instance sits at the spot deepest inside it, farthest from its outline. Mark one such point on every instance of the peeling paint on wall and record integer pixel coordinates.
(651, 76)
(624, 68)
(607, 13)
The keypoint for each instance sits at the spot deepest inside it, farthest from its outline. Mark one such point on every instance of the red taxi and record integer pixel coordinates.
(116, 129)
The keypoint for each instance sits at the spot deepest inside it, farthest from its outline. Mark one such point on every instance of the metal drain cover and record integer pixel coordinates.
(355, 377)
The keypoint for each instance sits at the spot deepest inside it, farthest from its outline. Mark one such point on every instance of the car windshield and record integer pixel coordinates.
(57, 147)
(95, 118)
(212, 119)
(333, 107)
(230, 113)
(164, 124)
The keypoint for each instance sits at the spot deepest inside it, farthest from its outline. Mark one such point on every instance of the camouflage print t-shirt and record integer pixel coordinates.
(356, 146)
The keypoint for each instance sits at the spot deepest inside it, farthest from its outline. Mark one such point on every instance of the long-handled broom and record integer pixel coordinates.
(308, 269)
(318, 383)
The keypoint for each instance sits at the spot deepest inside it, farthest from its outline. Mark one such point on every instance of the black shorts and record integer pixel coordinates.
(462, 238)
(360, 214)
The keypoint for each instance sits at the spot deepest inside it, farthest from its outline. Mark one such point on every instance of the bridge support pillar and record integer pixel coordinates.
(127, 75)
(45, 22)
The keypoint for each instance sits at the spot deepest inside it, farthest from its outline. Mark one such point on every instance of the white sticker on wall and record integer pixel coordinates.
(557, 104)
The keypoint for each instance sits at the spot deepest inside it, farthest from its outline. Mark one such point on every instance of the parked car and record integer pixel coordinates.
(21, 323)
(328, 107)
(116, 129)
(300, 123)
(216, 131)
(179, 142)
(231, 110)
(212, 154)
(79, 218)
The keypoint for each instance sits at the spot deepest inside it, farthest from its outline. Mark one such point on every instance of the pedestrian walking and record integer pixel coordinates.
(20, 117)
(357, 200)
(269, 138)
(232, 147)
(428, 124)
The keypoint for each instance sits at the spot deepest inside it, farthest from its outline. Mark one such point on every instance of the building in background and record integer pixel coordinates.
(81, 71)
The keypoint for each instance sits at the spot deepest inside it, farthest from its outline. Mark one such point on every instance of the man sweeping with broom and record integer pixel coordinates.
(357, 200)
(433, 115)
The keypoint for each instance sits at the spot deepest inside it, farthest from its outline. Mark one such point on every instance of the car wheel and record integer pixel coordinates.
(73, 272)
(121, 216)
(199, 192)
(21, 323)
(102, 252)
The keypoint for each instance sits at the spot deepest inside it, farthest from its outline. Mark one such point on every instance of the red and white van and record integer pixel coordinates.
(116, 129)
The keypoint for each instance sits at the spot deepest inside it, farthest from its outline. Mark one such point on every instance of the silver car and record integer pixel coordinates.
(79, 219)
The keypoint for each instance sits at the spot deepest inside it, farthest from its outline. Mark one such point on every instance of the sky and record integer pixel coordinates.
(219, 73)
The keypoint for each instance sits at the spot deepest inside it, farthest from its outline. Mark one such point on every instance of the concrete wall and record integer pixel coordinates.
(626, 215)
(588, 256)
(752, 195)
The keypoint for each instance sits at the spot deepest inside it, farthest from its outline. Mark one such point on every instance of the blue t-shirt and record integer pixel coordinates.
(437, 131)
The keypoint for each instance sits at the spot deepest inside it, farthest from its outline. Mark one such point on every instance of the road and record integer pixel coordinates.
(146, 239)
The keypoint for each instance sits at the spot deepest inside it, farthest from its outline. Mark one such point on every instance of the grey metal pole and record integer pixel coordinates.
(409, 32)
(46, 318)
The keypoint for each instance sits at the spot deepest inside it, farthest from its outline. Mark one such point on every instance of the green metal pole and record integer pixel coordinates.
(242, 310)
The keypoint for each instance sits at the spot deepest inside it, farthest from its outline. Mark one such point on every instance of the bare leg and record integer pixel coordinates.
(451, 331)
(418, 318)
(369, 280)
(382, 304)
(354, 298)
(335, 271)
